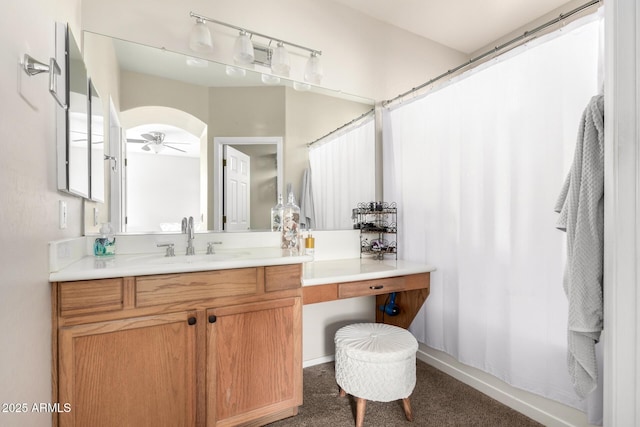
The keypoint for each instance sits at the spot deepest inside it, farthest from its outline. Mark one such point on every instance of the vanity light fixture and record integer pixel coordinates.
(244, 52)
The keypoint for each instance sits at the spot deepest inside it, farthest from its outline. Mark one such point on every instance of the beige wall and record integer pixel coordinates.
(143, 89)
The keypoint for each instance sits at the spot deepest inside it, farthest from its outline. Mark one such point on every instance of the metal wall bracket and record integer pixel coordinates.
(33, 67)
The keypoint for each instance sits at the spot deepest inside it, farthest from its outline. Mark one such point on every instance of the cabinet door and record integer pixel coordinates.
(254, 362)
(132, 372)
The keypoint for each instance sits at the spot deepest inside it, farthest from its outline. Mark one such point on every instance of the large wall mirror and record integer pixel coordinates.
(172, 107)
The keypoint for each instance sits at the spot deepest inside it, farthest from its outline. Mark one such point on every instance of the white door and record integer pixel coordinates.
(236, 189)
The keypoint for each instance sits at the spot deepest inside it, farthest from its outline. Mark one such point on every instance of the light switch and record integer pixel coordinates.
(63, 214)
(96, 216)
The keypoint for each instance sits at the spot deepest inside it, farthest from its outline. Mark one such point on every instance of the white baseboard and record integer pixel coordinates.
(544, 411)
(318, 361)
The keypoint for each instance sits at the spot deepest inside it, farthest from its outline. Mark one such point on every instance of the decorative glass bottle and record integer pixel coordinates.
(290, 224)
(276, 215)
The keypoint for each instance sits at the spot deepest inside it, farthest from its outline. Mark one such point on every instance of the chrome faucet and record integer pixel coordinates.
(210, 248)
(187, 228)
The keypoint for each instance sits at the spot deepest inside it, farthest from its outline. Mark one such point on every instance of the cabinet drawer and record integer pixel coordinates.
(176, 288)
(370, 287)
(90, 296)
(282, 277)
(383, 286)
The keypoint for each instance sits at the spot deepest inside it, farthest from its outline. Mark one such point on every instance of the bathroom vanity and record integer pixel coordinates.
(194, 341)
(218, 348)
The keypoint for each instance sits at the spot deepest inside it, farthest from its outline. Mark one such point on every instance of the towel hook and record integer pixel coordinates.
(32, 67)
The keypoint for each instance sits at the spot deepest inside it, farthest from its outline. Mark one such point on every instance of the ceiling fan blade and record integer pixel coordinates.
(141, 141)
(174, 148)
(175, 142)
(146, 147)
(148, 137)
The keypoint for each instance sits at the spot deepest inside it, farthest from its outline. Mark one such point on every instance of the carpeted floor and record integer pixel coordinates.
(438, 400)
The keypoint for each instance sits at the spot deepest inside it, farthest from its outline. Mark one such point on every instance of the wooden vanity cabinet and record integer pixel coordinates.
(129, 372)
(205, 353)
(253, 371)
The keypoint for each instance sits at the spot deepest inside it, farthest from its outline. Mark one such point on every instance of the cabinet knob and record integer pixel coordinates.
(212, 319)
(192, 321)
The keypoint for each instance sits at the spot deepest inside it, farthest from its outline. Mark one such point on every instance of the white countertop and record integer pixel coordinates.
(314, 273)
(90, 267)
(348, 270)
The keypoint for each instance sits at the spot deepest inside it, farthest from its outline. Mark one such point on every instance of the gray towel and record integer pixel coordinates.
(307, 215)
(581, 208)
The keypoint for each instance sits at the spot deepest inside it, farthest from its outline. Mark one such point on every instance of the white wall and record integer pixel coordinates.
(321, 321)
(28, 204)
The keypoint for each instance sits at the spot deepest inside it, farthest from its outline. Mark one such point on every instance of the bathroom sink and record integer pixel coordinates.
(192, 259)
(158, 259)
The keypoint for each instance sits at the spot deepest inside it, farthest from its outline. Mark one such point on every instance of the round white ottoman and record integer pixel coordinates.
(375, 361)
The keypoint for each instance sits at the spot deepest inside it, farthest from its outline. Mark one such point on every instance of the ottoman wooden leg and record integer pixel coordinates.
(361, 406)
(407, 409)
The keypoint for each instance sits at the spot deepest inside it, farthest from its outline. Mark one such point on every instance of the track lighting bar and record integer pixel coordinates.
(254, 33)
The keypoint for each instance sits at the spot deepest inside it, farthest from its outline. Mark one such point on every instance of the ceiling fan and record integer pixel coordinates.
(154, 141)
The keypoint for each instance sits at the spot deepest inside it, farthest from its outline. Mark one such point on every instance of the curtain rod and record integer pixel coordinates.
(496, 49)
(343, 126)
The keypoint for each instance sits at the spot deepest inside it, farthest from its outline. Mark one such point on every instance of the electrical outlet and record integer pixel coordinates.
(62, 215)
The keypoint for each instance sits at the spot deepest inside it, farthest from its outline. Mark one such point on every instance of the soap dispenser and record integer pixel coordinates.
(105, 245)
(276, 215)
(290, 224)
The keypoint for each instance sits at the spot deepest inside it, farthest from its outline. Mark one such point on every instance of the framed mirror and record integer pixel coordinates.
(72, 123)
(172, 107)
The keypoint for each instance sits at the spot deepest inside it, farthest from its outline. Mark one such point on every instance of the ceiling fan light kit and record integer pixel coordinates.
(246, 52)
(154, 141)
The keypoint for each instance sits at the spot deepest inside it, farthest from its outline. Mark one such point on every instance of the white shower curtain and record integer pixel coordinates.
(343, 174)
(476, 167)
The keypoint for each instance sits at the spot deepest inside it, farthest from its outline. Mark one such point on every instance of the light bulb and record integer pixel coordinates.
(313, 69)
(280, 60)
(243, 49)
(232, 71)
(268, 79)
(200, 38)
